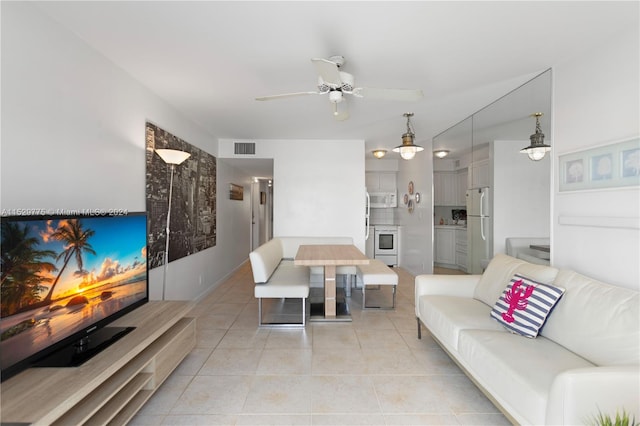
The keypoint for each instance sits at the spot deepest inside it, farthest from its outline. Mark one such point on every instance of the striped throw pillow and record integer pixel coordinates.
(524, 305)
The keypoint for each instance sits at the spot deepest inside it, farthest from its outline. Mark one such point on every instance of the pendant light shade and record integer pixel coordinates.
(408, 149)
(537, 150)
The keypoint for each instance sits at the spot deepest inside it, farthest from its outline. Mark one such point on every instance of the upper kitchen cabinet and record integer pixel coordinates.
(450, 187)
(445, 189)
(462, 182)
(479, 174)
(381, 181)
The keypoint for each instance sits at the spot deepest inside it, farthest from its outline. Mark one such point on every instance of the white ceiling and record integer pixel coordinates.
(210, 59)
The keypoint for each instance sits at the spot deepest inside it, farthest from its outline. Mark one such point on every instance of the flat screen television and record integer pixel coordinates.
(64, 278)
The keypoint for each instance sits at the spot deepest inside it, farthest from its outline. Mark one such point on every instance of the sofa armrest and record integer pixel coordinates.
(578, 396)
(448, 285)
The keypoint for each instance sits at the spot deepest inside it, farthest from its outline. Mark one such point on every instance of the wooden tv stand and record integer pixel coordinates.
(112, 386)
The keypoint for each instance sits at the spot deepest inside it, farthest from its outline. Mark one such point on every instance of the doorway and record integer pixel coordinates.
(261, 211)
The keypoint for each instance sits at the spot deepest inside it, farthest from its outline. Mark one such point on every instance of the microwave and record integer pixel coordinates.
(383, 200)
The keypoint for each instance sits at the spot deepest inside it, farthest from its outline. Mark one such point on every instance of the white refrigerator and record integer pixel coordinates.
(479, 235)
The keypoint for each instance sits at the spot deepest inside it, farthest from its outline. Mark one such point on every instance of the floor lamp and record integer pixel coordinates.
(174, 158)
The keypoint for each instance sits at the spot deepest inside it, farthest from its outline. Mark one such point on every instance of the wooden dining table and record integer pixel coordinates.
(329, 256)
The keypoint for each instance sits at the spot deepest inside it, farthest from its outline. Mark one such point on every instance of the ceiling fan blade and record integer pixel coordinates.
(286, 95)
(328, 71)
(392, 94)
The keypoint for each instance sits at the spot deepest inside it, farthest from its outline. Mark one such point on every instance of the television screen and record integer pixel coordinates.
(64, 277)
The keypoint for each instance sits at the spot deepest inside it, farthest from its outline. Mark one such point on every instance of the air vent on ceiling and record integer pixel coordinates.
(244, 148)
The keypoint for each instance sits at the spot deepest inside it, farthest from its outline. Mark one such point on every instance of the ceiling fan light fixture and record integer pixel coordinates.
(537, 150)
(441, 153)
(408, 149)
(379, 153)
(335, 96)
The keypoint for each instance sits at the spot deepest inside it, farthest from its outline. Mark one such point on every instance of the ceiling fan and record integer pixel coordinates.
(338, 83)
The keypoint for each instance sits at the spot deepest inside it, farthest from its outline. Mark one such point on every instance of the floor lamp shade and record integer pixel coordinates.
(173, 156)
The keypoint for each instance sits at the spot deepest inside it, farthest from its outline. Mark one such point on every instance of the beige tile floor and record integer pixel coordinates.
(372, 371)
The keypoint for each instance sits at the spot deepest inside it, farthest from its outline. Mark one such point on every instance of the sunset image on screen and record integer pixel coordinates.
(58, 275)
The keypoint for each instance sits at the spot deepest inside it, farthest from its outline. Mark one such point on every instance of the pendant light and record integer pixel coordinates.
(537, 150)
(408, 149)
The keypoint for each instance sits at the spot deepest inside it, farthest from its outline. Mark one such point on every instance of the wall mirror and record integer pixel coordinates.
(485, 151)
(457, 140)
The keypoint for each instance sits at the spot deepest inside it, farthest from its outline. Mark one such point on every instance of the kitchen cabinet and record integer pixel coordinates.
(461, 248)
(479, 174)
(445, 188)
(462, 180)
(450, 188)
(445, 248)
(381, 181)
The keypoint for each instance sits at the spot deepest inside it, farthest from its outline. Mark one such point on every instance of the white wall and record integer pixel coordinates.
(520, 192)
(318, 186)
(382, 164)
(596, 101)
(73, 137)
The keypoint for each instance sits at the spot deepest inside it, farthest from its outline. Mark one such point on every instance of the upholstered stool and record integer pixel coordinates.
(379, 274)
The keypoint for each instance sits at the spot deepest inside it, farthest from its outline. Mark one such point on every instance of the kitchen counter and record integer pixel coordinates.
(450, 226)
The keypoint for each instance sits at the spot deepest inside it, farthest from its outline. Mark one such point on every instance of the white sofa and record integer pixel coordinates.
(586, 359)
(276, 275)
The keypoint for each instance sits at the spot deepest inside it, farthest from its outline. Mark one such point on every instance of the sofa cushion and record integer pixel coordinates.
(598, 321)
(517, 372)
(446, 316)
(524, 305)
(499, 272)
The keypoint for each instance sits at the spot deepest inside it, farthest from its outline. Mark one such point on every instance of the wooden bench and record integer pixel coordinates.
(377, 273)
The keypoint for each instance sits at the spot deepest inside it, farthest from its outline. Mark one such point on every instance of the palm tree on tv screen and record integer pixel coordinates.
(76, 242)
(22, 265)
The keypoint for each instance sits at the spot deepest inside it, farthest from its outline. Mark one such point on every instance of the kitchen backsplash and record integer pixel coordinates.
(382, 217)
(445, 212)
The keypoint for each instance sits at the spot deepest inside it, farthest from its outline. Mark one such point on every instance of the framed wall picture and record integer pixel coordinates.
(194, 198)
(614, 165)
(236, 192)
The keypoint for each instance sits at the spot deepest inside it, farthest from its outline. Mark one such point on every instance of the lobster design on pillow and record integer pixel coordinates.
(517, 299)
